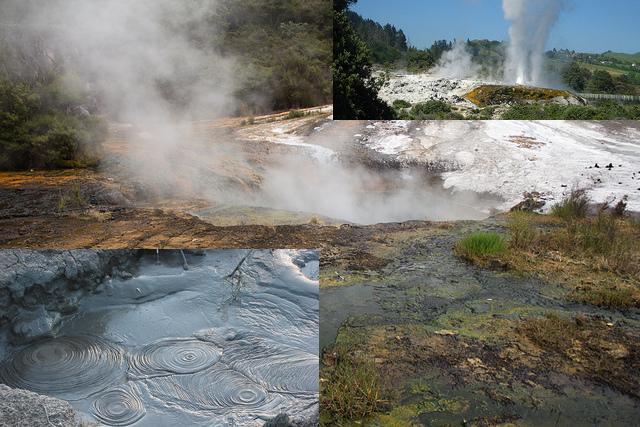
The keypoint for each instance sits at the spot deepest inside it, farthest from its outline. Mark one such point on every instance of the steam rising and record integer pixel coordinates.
(156, 70)
(365, 196)
(457, 63)
(531, 24)
(151, 63)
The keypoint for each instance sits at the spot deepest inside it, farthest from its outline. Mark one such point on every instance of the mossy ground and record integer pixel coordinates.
(597, 258)
(497, 341)
(528, 366)
(489, 95)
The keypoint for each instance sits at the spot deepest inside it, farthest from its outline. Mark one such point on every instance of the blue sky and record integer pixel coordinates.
(585, 25)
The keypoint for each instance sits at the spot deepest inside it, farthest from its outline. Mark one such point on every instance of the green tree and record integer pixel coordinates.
(419, 60)
(601, 82)
(576, 77)
(37, 132)
(438, 48)
(354, 87)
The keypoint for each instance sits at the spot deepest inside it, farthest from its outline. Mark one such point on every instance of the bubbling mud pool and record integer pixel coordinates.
(231, 338)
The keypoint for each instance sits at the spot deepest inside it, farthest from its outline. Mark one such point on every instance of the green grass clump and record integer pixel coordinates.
(400, 104)
(601, 111)
(295, 114)
(574, 206)
(522, 233)
(72, 199)
(479, 245)
(352, 392)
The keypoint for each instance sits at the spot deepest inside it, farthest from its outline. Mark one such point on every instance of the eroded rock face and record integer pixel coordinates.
(24, 408)
(37, 287)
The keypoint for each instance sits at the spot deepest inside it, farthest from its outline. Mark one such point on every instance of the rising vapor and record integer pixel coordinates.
(457, 63)
(531, 25)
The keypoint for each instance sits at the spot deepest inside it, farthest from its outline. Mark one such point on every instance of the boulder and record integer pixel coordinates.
(20, 408)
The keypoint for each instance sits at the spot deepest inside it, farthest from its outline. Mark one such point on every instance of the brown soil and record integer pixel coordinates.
(156, 228)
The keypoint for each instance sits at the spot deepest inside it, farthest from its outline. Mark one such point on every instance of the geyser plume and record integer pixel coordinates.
(531, 24)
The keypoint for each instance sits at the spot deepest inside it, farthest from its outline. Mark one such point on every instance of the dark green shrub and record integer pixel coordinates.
(574, 206)
(39, 129)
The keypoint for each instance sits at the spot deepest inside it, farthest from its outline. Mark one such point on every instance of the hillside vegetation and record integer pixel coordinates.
(355, 87)
(50, 116)
(606, 73)
(609, 73)
(284, 49)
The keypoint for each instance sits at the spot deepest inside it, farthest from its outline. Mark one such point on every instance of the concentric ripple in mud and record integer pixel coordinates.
(70, 368)
(218, 389)
(174, 357)
(118, 407)
(277, 367)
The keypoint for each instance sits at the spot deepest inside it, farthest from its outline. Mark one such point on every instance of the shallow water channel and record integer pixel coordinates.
(232, 339)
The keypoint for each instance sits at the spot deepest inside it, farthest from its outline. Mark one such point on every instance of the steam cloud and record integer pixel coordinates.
(151, 63)
(457, 63)
(531, 24)
(135, 53)
(156, 71)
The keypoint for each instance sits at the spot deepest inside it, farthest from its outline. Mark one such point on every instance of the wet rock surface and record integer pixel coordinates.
(191, 338)
(37, 287)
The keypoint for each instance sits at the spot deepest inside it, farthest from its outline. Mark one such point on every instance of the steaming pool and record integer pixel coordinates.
(395, 171)
(229, 338)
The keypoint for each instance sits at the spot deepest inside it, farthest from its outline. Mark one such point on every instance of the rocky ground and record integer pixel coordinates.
(23, 408)
(467, 96)
(415, 88)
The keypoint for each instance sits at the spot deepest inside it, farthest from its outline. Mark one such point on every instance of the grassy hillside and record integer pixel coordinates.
(623, 57)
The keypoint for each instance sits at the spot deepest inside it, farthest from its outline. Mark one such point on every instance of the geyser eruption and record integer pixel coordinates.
(531, 24)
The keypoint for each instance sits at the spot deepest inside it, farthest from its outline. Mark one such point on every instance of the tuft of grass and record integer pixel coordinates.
(295, 114)
(522, 233)
(608, 241)
(481, 245)
(574, 206)
(608, 297)
(598, 256)
(353, 391)
(72, 199)
(620, 209)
